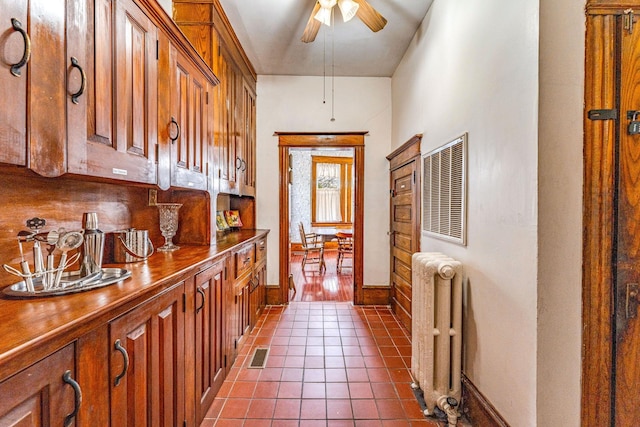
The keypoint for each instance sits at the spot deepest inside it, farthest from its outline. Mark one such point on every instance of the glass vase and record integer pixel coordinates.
(168, 225)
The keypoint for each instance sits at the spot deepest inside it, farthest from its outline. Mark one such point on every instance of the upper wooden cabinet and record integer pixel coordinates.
(188, 125)
(234, 100)
(119, 134)
(39, 73)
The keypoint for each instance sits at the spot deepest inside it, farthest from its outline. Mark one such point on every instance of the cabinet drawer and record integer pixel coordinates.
(261, 249)
(243, 260)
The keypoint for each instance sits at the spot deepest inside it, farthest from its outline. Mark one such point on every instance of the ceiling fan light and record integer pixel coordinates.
(324, 16)
(349, 8)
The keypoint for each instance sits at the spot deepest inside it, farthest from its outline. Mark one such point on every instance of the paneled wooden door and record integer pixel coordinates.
(627, 293)
(404, 233)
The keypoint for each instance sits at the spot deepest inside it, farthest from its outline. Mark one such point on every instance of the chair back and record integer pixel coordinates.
(303, 235)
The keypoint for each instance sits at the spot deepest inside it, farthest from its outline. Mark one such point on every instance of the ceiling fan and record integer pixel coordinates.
(321, 14)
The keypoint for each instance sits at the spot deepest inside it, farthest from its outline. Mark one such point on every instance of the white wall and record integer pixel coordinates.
(476, 67)
(294, 104)
(473, 67)
(562, 37)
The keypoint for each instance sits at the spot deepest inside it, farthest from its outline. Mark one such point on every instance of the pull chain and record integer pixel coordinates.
(333, 73)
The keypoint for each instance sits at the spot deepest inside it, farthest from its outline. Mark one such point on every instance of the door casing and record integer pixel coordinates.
(355, 140)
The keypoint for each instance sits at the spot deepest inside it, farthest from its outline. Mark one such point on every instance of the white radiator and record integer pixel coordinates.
(436, 311)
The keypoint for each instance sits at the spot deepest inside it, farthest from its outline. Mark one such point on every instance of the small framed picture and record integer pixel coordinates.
(233, 218)
(221, 223)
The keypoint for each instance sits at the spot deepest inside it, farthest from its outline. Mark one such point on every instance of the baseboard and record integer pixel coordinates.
(477, 409)
(376, 294)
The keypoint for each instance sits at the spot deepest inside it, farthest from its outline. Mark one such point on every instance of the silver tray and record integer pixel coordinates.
(74, 284)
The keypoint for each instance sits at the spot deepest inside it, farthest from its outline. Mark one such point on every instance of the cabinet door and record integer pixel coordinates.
(188, 124)
(146, 363)
(248, 132)
(242, 303)
(210, 357)
(32, 116)
(45, 394)
(121, 118)
(258, 293)
(228, 160)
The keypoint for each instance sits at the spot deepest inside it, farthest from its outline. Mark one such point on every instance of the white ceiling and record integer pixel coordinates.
(270, 32)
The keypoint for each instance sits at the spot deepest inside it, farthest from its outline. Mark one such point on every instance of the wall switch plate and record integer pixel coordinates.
(153, 197)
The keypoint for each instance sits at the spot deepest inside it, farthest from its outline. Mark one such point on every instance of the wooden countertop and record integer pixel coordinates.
(32, 328)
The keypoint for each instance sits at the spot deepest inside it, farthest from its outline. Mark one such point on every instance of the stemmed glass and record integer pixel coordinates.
(168, 225)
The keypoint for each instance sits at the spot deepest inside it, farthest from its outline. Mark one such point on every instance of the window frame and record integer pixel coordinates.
(346, 189)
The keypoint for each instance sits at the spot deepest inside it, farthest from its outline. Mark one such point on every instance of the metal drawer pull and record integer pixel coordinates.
(83, 81)
(174, 122)
(204, 298)
(118, 346)
(66, 377)
(244, 166)
(238, 163)
(15, 68)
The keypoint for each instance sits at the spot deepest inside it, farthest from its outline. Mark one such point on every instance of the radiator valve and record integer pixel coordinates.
(448, 405)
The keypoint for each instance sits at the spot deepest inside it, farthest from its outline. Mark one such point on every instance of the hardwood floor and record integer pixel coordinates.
(313, 285)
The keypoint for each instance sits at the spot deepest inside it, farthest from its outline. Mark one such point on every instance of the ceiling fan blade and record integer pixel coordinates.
(370, 16)
(313, 25)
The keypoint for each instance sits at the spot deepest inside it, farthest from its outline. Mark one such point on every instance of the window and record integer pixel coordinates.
(331, 190)
(444, 191)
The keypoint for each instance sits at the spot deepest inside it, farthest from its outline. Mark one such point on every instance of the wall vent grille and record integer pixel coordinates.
(444, 191)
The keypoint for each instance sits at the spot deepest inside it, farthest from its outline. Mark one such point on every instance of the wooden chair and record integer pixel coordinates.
(313, 246)
(345, 250)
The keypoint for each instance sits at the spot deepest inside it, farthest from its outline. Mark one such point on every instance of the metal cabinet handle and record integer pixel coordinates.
(83, 81)
(66, 377)
(15, 68)
(118, 346)
(238, 162)
(244, 165)
(174, 122)
(204, 299)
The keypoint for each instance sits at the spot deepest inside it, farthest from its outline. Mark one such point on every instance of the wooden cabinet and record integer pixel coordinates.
(247, 140)
(41, 41)
(189, 123)
(146, 363)
(210, 335)
(234, 99)
(242, 262)
(227, 159)
(258, 286)
(119, 141)
(45, 394)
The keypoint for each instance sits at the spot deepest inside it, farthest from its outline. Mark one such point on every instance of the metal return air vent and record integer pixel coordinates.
(259, 359)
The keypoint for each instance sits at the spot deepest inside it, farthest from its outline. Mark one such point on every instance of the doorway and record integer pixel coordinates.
(353, 141)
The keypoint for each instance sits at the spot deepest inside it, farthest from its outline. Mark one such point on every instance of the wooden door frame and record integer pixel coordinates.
(355, 140)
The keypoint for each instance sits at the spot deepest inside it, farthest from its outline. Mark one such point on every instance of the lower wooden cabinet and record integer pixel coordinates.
(45, 394)
(157, 363)
(146, 363)
(210, 335)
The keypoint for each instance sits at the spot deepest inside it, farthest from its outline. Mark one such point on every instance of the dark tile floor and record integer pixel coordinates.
(330, 364)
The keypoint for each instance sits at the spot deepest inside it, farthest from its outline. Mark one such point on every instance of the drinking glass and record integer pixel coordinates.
(168, 225)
